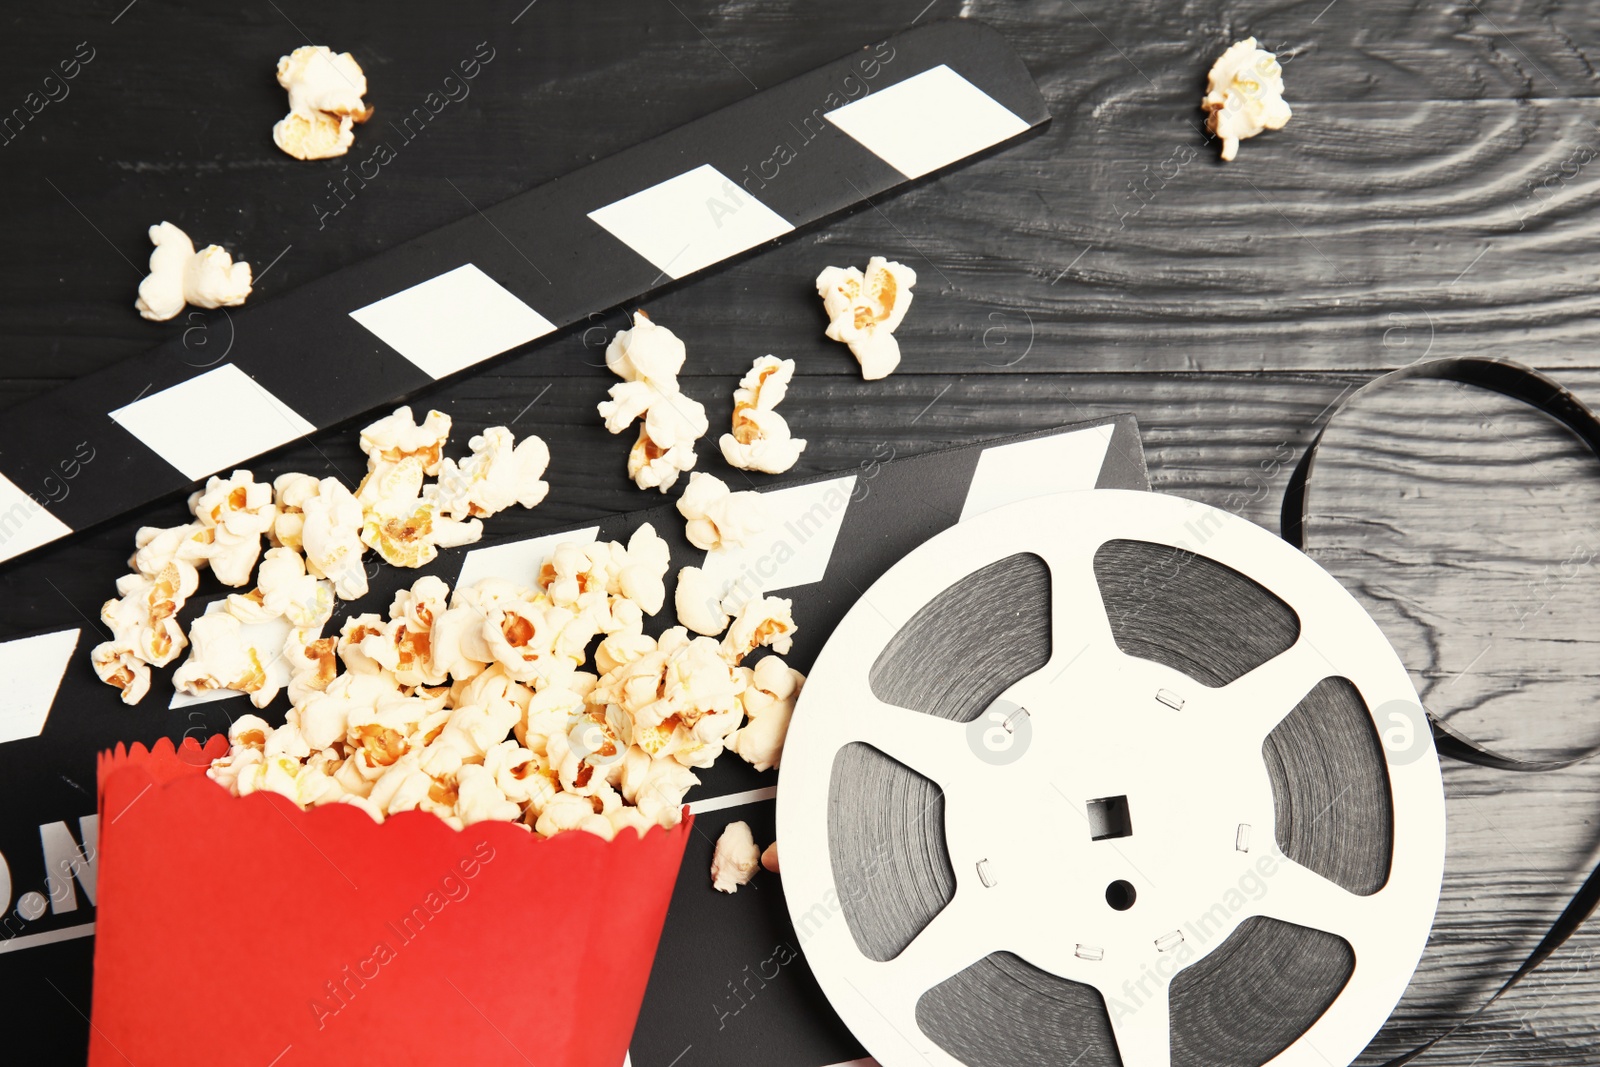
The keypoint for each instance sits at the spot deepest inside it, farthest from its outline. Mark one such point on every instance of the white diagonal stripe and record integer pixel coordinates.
(1060, 463)
(928, 121)
(32, 668)
(451, 322)
(732, 800)
(212, 421)
(25, 524)
(689, 222)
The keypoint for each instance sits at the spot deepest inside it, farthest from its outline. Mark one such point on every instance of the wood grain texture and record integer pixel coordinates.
(1435, 194)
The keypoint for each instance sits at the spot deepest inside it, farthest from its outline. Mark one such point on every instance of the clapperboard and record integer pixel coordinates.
(371, 336)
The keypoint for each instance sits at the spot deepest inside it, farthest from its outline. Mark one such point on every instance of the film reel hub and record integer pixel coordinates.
(1108, 819)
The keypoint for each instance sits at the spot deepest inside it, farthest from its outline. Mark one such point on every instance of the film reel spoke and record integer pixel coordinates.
(1259, 700)
(933, 747)
(1296, 894)
(1080, 629)
(1143, 1028)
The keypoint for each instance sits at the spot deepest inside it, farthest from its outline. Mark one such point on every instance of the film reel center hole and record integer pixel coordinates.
(1109, 818)
(1120, 895)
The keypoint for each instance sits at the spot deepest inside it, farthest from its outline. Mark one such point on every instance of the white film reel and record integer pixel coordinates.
(1185, 759)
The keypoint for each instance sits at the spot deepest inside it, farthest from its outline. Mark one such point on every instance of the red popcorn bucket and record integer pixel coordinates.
(322, 937)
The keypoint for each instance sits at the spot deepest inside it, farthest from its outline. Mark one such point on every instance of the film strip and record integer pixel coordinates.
(1546, 395)
(376, 333)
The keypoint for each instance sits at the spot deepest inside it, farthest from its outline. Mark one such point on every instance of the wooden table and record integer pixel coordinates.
(1433, 195)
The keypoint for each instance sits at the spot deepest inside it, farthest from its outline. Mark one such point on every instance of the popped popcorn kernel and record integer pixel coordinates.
(325, 91)
(647, 358)
(735, 859)
(765, 620)
(697, 601)
(715, 516)
(180, 276)
(220, 658)
(864, 310)
(307, 134)
(760, 438)
(1244, 95)
(396, 437)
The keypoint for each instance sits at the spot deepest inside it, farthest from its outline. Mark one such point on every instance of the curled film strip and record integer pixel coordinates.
(1548, 397)
(1099, 779)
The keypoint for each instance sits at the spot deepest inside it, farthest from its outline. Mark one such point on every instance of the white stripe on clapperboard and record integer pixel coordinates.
(49, 937)
(732, 800)
(212, 421)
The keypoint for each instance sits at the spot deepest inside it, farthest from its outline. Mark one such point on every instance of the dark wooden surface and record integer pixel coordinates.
(1434, 194)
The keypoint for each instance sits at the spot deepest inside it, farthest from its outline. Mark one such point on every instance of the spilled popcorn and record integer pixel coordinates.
(716, 517)
(180, 276)
(865, 309)
(647, 358)
(735, 859)
(478, 705)
(760, 439)
(1244, 95)
(317, 533)
(325, 91)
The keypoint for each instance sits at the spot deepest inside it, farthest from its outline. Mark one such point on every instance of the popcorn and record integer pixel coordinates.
(420, 717)
(1244, 95)
(156, 547)
(697, 603)
(519, 773)
(716, 517)
(179, 275)
(648, 358)
(865, 309)
(642, 568)
(653, 467)
(144, 627)
(396, 521)
(120, 667)
(412, 538)
(768, 704)
(499, 473)
(566, 811)
(766, 447)
(396, 437)
(143, 620)
(325, 91)
(331, 535)
(735, 860)
(318, 532)
(646, 353)
(221, 659)
(313, 134)
(479, 797)
(238, 510)
(313, 663)
(284, 589)
(761, 621)
(290, 493)
(760, 440)
(318, 79)
(655, 787)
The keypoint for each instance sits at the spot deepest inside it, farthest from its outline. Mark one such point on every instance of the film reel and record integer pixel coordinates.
(1110, 778)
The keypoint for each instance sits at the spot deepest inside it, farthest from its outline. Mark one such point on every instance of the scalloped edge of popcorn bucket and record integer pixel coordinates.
(245, 930)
